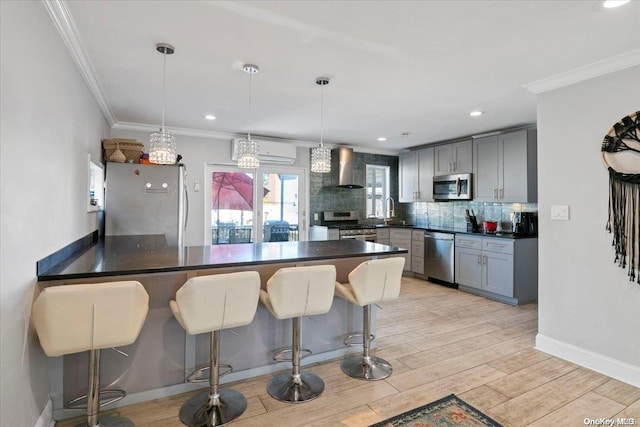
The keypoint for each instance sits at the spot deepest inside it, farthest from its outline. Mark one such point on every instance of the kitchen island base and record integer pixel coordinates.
(158, 364)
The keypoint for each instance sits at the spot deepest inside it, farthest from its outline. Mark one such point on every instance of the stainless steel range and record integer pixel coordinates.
(342, 225)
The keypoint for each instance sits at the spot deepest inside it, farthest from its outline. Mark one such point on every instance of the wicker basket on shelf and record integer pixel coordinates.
(122, 150)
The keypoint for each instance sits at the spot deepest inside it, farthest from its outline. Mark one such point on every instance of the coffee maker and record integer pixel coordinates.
(525, 223)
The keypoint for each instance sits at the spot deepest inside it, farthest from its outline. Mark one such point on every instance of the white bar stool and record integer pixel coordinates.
(371, 282)
(292, 293)
(208, 304)
(75, 318)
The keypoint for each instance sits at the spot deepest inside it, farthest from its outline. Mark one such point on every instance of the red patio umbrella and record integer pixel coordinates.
(232, 190)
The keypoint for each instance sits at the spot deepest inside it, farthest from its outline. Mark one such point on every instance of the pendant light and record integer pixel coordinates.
(162, 145)
(249, 149)
(321, 156)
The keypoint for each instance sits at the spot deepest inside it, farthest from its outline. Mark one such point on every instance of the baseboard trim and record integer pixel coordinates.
(46, 416)
(608, 366)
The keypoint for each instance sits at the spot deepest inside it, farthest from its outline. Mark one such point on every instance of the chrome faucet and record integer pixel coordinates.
(426, 222)
(390, 213)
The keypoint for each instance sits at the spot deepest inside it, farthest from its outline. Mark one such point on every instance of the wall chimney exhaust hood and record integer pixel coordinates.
(342, 168)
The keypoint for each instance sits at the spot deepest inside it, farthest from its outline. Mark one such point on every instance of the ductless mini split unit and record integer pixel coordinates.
(270, 151)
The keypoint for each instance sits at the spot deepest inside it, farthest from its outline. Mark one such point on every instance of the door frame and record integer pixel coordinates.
(303, 199)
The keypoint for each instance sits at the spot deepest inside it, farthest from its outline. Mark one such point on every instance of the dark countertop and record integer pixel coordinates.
(124, 255)
(460, 230)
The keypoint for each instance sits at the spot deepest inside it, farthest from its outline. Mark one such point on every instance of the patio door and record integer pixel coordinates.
(246, 206)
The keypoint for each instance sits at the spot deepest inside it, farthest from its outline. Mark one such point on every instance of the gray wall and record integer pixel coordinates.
(589, 310)
(49, 123)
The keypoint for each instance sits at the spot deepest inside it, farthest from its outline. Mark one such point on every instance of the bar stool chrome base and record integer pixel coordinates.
(204, 411)
(366, 368)
(198, 376)
(106, 397)
(111, 421)
(295, 388)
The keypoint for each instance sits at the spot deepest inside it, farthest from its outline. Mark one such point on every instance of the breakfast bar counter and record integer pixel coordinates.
(158, 363)
(131, 255)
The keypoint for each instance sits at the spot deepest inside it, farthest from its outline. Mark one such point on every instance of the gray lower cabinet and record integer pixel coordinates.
(382, 236)
(401, 238)
(417, 251)
(502, 269)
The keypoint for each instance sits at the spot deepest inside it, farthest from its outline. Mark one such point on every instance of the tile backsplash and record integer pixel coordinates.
(325, 197)
(452, 214)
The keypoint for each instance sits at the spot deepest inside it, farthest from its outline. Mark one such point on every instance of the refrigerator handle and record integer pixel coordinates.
(186, 207)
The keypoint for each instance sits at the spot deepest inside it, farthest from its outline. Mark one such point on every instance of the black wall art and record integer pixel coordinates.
(621, 155)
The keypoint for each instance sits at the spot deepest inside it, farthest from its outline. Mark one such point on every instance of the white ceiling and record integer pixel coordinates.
(395, 66)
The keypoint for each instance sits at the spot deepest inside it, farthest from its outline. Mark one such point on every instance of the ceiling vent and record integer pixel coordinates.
(270, 152)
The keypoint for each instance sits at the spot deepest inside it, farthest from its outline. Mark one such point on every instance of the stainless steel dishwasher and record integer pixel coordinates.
(439, 256)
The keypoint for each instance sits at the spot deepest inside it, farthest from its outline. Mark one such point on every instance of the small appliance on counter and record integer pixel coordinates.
(525, 223)
(490, 227)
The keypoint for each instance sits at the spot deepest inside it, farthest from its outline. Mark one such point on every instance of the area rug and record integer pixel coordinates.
(446, 412)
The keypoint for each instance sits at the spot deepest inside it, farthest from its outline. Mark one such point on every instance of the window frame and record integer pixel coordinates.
(385, 187)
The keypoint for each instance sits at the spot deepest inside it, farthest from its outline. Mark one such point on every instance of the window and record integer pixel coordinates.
(95, 200)
(265, 205)
(377, 190)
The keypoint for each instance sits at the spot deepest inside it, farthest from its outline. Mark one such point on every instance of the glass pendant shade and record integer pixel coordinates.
(248, 154)
(320, 160)
(321, 156)
(249, 149)
(162, 144)
(162, 148)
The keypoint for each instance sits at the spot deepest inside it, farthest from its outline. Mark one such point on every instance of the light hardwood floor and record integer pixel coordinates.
(439, 341)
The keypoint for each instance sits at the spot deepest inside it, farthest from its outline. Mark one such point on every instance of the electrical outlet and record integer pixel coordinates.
(560, 213)
(315, 216)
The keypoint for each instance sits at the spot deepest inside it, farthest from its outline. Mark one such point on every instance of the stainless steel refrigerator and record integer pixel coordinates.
(146, 199)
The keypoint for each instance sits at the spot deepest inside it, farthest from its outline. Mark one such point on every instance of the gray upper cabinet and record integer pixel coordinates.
(485, 169)
(407, 176)
(505, 167)
(416, 176)
(456, 157)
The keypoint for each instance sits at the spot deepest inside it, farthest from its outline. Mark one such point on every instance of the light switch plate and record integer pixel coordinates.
(196, 186)
(560, 213)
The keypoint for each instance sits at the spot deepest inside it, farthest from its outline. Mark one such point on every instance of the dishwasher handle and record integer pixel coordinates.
(438, 236)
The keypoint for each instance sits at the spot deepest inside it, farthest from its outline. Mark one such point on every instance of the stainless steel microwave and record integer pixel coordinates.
(452, 187)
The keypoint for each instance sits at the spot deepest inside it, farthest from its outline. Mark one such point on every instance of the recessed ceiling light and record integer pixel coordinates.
(476, 113)
(210, 117)
(610, 4)
(382, 138)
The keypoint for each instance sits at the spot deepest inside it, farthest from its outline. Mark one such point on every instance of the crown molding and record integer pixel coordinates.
(63, 21)
(201, 133)
(599, 68)
(142, 127)
(198, 133)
